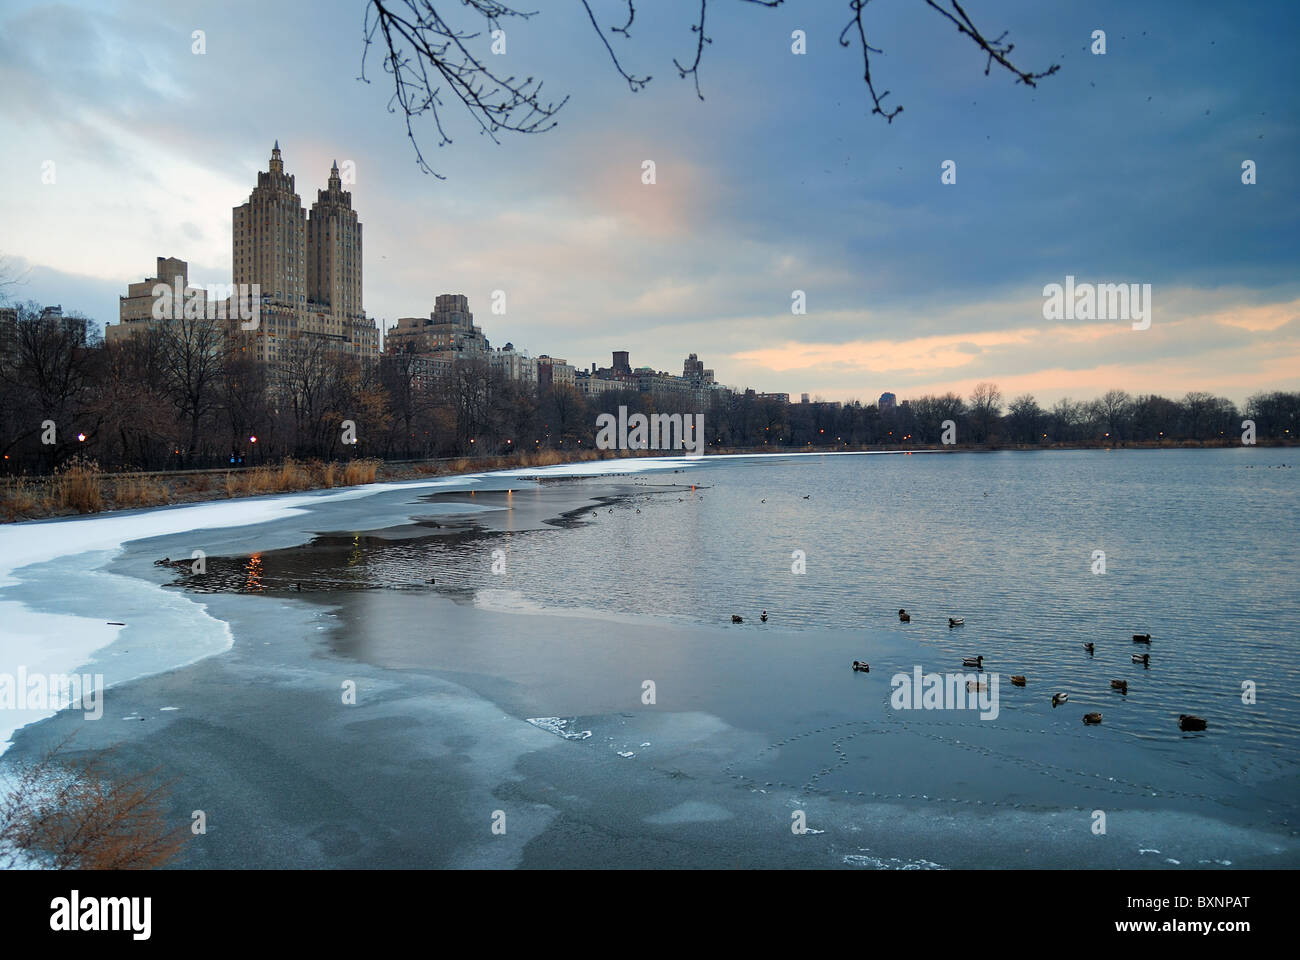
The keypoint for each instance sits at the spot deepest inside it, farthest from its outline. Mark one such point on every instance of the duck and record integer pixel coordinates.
(764, 616)
(973, 661)
(1091, 718)
(1120, 685)
(1141, 638)
(861, 666)
(904, 617)
(1018, 680)
(737, 618)
(1142, 658)
(1090, 647)
(807, 495)
(955, 621)
(1059, 698)
(1188, 722)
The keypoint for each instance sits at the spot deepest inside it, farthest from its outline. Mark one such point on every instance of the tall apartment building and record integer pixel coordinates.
(334, 250)
(309, 271)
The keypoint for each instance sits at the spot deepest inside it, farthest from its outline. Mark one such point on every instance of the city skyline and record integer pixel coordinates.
(749, 203)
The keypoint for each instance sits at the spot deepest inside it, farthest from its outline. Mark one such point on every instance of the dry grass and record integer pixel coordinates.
(360, 471)
(24, 498)
(77, 487)
(140, 492)
(75, 816)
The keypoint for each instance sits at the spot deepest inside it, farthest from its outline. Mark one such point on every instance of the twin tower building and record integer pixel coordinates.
(307, 268)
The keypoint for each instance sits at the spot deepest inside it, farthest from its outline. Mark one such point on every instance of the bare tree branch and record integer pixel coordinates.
(426, 55)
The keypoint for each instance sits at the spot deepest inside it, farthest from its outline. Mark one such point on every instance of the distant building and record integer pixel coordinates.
(553, 372)
(449, 330)
(135, 311)
(515, 365)
(779, 397)
(803, 398)
(887, 401)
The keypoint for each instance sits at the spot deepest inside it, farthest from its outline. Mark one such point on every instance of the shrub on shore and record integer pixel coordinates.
(73, 815)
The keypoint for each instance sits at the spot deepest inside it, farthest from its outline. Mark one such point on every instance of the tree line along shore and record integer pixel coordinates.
(71, 405)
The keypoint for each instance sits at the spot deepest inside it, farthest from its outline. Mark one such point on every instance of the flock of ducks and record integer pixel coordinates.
(1186, 721)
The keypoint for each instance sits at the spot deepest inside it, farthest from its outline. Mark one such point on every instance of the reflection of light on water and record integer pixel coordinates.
(253, 573)
(354, 557)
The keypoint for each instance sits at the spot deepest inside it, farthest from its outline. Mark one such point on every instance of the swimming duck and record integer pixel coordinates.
(807, 495)
(974, 686)
(1092, 718)
(861, 666)
(973, 661)
(1188, 722)
(1141, 638)
(764, 616)
(956, 621)
(1120, 685)
(1059, 698)
(1142, 658)
(904, 617)
(1018, 680)
(736, 618)
(1089, 647)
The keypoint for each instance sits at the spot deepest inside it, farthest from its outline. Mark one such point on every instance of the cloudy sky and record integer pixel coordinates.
(1125, 167)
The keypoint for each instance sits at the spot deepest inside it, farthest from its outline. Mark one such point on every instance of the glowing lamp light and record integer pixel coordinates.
(81, 437)
(252, 439)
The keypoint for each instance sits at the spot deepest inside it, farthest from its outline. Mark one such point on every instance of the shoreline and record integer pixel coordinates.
(25, 499)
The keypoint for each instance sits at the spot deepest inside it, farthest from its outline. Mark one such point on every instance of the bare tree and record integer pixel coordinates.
(194, 351)
(429, 58)
(985, 407)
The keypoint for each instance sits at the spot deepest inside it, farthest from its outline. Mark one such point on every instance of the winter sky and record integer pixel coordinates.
(1123, 167)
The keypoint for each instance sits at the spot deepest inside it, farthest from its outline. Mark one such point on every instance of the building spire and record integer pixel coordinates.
(277, 165)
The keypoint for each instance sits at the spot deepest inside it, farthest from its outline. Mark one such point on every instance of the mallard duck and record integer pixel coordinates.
(904, 617)
(1090, 647)
(1059, 698)
(973, 661)
(1092, 718)
(1188, 722)
(1018, 680)
(861, 666)
(1120, 685)
(1141, 638)
(956, 621)
(764, 616)
(737, 618)
(1142, 658)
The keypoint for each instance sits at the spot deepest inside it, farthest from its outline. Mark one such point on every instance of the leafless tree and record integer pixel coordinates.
(434, 63)
(985, 407)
